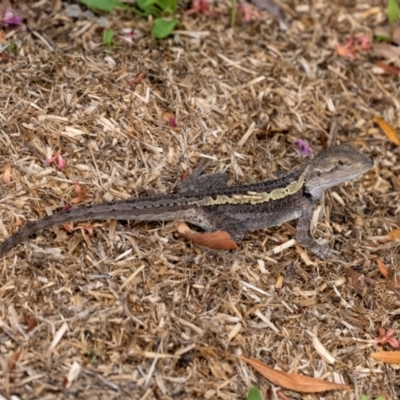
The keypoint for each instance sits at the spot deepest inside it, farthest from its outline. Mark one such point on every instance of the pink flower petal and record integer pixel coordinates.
(11, 18)
(394, 343)
(60, 162)
(303, 148)
(390, 332)
(172, 121)
(381, 332)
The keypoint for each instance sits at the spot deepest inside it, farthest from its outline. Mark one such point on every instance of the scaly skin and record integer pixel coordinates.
(206, 201)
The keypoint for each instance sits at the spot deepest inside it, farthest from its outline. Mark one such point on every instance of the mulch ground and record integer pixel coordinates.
(136, 311)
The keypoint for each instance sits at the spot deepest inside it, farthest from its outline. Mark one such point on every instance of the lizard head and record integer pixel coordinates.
(334, 166)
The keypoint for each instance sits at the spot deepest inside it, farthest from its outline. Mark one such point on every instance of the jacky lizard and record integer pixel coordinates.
(207, 201)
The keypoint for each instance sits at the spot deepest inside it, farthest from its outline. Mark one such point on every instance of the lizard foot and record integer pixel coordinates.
(324, 252)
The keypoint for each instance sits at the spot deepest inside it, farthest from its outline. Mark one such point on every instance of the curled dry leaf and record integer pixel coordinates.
(382, 268)
(14, 359)
(6, 174)
(298, 383)
(79, 191)
(64, 383)
(388, 130)
(391, 357)
(135, 81)
(171, 120)
(184, 175)
(88, 227)
(68, 226)
(362, 285)
(389, 69)
(387, 51)
(30, 323)
(218, 240)
(394, 235)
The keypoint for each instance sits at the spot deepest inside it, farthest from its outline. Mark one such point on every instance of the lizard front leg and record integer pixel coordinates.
(197, 181)
(304, 238)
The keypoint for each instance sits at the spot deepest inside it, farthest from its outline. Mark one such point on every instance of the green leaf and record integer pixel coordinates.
(148, 7)
(108, 36)
(103, 5)
(382, 38)
(393, 10)
(173, 4)
(12, 46)
(364, 397)
(163, 27)
(379, 398)
(168, 6)
(254, 394)
(146, 3)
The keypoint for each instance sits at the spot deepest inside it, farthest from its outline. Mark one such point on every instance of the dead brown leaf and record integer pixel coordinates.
(6, 174)
(298, 383)
(14, 359)
(170, 117)
(30, 323)
(89, 227)
(394, 235)
(391, 357)
(388, 130)
(323, 138)
(387, 51)
(390, 69)
(382, 268)
(361, 284)
(68, 226)
(135, 81)
(218, 240)
(79, 191)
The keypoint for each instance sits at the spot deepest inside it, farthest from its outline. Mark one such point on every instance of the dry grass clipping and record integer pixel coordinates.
(135, 311)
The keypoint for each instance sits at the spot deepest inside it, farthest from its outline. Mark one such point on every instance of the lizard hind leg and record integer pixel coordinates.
(224, 223)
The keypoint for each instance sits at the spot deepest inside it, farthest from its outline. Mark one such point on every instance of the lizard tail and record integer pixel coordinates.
(28, 230)
(97, 212)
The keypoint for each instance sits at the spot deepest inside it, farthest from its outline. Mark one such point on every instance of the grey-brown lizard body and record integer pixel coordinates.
(207, 201)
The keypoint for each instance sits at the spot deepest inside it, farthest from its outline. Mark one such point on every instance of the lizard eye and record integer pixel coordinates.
(318, 173)
(341, 163)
